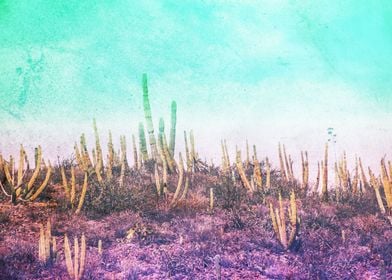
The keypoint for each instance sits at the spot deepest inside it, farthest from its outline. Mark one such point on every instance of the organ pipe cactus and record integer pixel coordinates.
(173, 127)
(148, 117)
(305, 170)
(70, 190)
(17, 186)
(282, 166)
(324, 191)
(241, 171)
(278, 219)
(75, 265)
(142, 143)
(47, 249)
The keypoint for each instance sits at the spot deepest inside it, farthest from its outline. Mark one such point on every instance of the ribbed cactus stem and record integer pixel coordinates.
(241, 172)
(282, 166)
(148, 117)
(324, 191)
(211, 199)
(83, 194)
(387, 185)
(33, 196)
(363, 175)
(180, 181)
(268, 171)
(135, 155)
(142, 143)
(173, 127)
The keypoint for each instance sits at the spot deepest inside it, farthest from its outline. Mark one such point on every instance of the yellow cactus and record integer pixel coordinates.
(279, 222)
(46, 245)
(268, 170)
(324, 191)
(211, 199)
(75, 265)
(387, 184)
(180, 181)
(374, 182)
(282, 166)
(16, 186)
(241, 171)
(71, 190)
(257, 173)
(305, 170)
(363, 176)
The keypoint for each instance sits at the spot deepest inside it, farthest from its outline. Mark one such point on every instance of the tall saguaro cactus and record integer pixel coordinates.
(148, 116)
(172, 143)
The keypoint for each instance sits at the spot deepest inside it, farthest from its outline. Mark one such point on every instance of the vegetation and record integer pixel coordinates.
(159, 198)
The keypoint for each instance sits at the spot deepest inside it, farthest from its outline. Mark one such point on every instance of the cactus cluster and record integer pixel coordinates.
(17, 185)
(47, 249)
(75, 264)
(278, 219)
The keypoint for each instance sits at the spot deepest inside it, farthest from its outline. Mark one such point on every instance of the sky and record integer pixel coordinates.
(266, 71)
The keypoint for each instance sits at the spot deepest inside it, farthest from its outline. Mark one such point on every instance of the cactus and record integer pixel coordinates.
(180, 181)
(305, 170)
(100, 247)
(18, 188)
(247, 162)
(157, 180)
(324, 191)
(135, 155)
(148, 117)
(173, 127)
(194, 156)
(279, 222)
(387, 184)
(268, 170)
(355, 182)
(47, 249)
(241, 171)
(71, 191)
(257, 173)
(316, 186)
(363, 175)
(75, 265)
(376, 185)
(211, 199)
(142, 143)
(187, 153)
(282, 166)
(123, 160)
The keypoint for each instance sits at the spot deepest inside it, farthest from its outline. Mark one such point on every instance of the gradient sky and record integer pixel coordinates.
(268, 71)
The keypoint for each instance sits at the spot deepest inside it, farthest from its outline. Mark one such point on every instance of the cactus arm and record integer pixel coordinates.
(325, 175)
(148, 117)
(241, 171)
(83, 194)
(173, 127)
(142, 143)
(180, 179)
(135, 156)
(37, 169)
(68, 256)
(386, 184)
(65, 183)
(76, 258)
(43, 185)
(82, 256)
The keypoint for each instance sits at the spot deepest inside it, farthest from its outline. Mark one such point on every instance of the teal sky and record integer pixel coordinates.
(268, 71)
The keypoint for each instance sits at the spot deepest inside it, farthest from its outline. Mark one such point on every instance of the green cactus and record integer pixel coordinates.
(148, 116)
(142, 143)
(173, 127)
